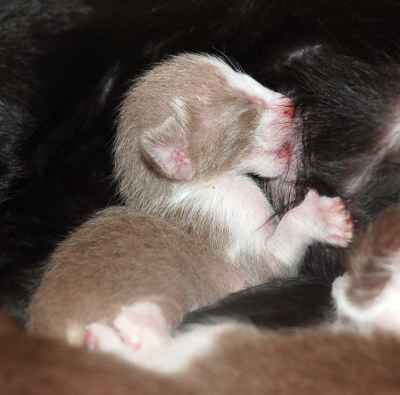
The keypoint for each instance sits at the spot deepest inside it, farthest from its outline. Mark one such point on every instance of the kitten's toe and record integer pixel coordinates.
(142, 327)
(332, 222)
(100, 337)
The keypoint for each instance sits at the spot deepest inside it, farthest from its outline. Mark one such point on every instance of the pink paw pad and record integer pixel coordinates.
(90, 340)
(141, 326)
(331, 220)
(101, 337)
(135, 333)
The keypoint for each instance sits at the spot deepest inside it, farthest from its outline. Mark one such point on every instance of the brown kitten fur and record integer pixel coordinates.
(220, 121)
(111, 261)
(246, 361)
(308, 362)
(37, 366)
(373, 256)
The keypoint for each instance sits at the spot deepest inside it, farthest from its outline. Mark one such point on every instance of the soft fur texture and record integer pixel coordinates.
(121, 257)
(367, 305)
(65, 67)
(232, 358)
(244, 361)
(361, 166)
(224, 125)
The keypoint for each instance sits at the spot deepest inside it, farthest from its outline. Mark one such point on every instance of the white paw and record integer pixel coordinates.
(327, 219)
(100, 337)
(378, 313)
(142, 326)
(135, 333)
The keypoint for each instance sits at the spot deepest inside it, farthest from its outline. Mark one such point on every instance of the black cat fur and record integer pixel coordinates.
(64, 68)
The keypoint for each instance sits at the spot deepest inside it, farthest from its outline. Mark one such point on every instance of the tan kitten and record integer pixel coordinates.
(148, 267)
(242, 360)
(121, 258)
(187, 164)
(356, 355)
(190, 132)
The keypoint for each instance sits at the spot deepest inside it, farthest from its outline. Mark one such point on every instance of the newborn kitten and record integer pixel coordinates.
(120, 258)
(190, 132)
(367, 301)
(233, 360)
(189, 164)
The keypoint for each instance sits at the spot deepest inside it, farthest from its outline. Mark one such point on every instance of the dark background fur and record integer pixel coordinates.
(64, 66)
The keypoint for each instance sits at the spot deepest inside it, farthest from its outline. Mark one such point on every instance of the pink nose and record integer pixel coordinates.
(289, 112)
(287, 108)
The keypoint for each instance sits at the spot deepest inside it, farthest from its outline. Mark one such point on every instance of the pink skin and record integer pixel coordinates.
(285, 116)
(91, 340)
(276, 147)
(329, 219)
(274, 143)
(286, 109)
(135, 332)
(181, 165)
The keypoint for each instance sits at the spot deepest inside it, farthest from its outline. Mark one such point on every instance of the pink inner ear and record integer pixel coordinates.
(178, 165)
(173, 161)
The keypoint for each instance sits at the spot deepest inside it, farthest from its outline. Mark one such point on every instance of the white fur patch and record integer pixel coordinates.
(383, 312)
(231, 200)
(177, 355)
(181, 113)
(242, 81)
(74, 334)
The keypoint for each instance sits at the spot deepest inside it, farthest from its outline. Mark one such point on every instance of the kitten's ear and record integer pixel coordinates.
(167, 150)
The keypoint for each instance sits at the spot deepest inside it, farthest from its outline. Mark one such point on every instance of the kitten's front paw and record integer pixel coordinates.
(327, 218)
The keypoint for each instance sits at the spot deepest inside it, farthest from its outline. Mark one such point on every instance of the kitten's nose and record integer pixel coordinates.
(286, 108)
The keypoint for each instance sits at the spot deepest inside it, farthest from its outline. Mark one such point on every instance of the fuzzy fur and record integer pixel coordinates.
(64, 72)
(243, 360)
(113, 260)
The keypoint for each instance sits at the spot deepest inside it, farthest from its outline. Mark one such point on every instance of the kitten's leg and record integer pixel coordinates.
(181, 351)
(317, 218)
(367, 297)
(104, 338)
(366, 313)
(172, 354)
(136, 331)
